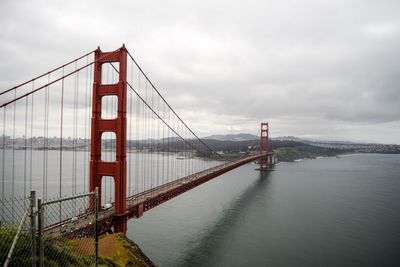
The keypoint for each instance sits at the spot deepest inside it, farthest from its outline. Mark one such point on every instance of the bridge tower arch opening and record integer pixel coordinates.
(117, 125)
(106, 191)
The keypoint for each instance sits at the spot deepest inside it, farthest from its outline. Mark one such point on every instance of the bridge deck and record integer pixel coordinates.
(139, 203)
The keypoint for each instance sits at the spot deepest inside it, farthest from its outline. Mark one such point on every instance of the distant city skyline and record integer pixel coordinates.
(325, 70)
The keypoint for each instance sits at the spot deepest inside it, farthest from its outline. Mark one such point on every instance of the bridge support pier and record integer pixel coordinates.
(116, 169)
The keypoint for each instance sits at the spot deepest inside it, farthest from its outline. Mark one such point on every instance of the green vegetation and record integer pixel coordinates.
(284, 150)
(63, 254)
(303, 151)
(22, 248)
(232, 156)
(57, 253)
(114, 250)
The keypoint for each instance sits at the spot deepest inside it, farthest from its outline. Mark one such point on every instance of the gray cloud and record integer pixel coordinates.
(321, 68)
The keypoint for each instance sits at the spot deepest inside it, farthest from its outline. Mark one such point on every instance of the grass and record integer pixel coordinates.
(114, 250)
(117, 250)
(58, 252)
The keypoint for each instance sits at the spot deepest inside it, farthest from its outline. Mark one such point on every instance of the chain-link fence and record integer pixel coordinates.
(60, 232)
(67, 231)
(17, 231)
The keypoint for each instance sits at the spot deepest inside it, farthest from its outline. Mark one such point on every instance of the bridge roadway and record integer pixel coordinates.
(137, 204)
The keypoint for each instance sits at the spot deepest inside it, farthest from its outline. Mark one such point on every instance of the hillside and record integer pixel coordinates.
(284, 150)
(233, 137)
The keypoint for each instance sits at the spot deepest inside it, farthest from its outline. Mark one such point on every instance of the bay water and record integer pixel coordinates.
(322, 212)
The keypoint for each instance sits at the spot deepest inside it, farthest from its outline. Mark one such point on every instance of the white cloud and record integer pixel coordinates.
(312, 68)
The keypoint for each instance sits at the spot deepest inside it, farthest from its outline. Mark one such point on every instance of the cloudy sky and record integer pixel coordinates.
(325, 69)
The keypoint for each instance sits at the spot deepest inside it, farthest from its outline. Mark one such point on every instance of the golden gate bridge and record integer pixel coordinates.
(141, 152)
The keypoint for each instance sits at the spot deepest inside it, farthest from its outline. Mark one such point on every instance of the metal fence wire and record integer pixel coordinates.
(60, 232)
(67, 231)
(17, 244)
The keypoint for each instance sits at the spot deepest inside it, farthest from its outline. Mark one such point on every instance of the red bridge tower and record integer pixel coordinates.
(116, 169)
(264, 147)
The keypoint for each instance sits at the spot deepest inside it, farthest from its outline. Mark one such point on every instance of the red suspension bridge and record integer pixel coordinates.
(141, 152)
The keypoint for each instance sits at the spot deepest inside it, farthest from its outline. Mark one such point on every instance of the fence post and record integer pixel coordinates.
(33, 225)
(40, 233)
(96, 217)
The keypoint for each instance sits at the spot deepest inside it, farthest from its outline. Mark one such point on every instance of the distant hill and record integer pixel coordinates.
(233, 137)
(305, 148)
(290, 138)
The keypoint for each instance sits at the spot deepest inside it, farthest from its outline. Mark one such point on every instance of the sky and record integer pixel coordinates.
(321, 69)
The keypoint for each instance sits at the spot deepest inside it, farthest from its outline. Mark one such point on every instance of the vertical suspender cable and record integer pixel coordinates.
(169, 157)
(130, 137)
(145, 140)
(31, 156)
(25, 142)
(3, 160)
(190, 155)
(138, 151)
(89, 115)
(158, 144)
(47, 133)
(13, 157)
(44, 146)
(76, 131)
(73, 138)
(85, 127)
(151, 141)
(163, 146)
(187, 155)
(176, 142)
(61, 141)
(183, 173)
